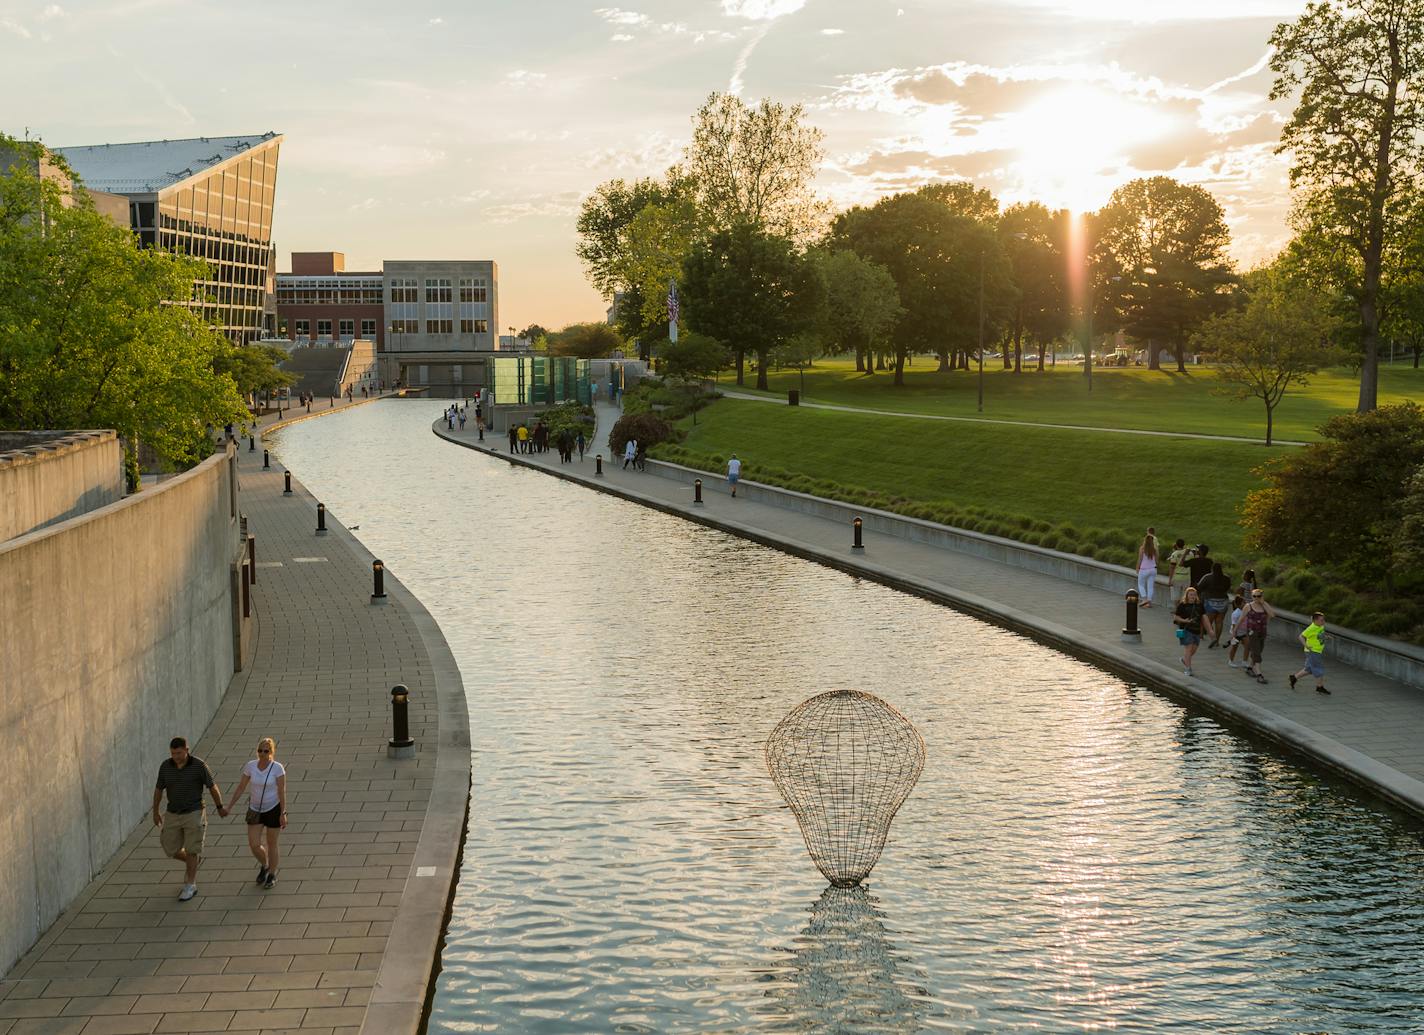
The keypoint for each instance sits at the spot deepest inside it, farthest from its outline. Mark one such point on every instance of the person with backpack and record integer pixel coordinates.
(1258, 614)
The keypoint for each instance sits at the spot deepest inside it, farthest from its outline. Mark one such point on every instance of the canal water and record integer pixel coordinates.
(1080, 853)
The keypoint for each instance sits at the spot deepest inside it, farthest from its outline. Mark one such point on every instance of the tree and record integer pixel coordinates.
(533, 332)
(693, 357)
(1402, 317)
(752, 290)
(585, 341)
(254, 368)
(1356, 139)
(755, 167)
(862, 303)
(964, 199)
(1408, 547)
(88, 337)
(1035, 241)
(658, 240)
(1276, 340)
(1167, 241)
(1340, 502)
(798, 352)
(935, 258)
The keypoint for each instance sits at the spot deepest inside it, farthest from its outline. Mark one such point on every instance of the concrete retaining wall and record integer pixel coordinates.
(47, 477)
(1399, 661)
(118, 633)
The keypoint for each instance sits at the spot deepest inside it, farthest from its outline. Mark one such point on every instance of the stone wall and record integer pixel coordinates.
(118, 634)
(51, 476)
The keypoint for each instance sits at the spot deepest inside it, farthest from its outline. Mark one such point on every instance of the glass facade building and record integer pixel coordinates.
(540, 380)
(208, 197)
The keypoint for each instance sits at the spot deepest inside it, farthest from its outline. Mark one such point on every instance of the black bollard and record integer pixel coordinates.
(857, 544)
(251, 443)
(266, 460)
(287, 481)
(1131, 632)
(400, 745)
(246, 591)
(697, 491)
(321, 519)
(378, 575)
(252, 556)
(598, 465)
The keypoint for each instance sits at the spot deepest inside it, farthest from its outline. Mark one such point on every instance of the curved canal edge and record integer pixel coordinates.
(1357, 766)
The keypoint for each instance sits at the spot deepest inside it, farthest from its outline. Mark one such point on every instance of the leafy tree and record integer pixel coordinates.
(647, 429)
(862, 303)
(1340, 502)
(752, 290)
(1402, 318)
(533, 332)
(658, 241)
(935, 258)
(88, 338)
(1035, 241)
(798, 352)
(1356, 140)
(585, 341)
(1408, 546)
(1275, 341)
(693, 357)
(755, 167)
(964, 199)
(1167, 241)
(254, 368)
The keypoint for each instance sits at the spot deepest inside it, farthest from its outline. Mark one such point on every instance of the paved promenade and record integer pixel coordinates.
(345, 941)
(1370, 729)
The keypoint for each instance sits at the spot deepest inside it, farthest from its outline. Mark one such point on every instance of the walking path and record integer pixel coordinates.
(749, 397)
(346, 941)
(1370, 729)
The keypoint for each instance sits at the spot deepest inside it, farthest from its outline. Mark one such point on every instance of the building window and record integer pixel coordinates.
(405, 326)
(303, 329)
(439, 327)
(323, 329)
(348, 328)
(473, 290)
(368, 329)
(474, 326)
(437, 289)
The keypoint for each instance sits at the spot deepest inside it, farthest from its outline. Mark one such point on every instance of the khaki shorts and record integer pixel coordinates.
(183, 831)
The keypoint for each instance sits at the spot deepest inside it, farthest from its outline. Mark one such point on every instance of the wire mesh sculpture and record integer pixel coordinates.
(845, 762)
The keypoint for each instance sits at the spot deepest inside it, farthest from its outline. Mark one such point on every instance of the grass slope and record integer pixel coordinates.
(1107, 488)
(1130, 397)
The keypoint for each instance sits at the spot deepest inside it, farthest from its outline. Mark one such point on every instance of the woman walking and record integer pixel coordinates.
(1238, 631)
(1188, 619)
(1258, 613)
(266, 808)
(1146, 570)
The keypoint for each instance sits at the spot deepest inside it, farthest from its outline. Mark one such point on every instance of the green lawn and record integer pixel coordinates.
(1131, 397)
(1106, 488)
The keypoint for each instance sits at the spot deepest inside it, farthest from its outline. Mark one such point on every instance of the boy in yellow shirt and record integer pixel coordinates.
(1313, 638)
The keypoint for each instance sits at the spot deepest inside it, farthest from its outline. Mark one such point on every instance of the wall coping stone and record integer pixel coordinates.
(30, 447)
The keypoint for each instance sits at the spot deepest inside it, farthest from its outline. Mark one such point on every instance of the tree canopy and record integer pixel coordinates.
(585, 341)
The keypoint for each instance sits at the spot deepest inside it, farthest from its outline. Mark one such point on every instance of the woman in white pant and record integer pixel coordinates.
(1146, 570)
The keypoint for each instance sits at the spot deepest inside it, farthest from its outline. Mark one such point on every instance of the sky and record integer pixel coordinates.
(473, 131)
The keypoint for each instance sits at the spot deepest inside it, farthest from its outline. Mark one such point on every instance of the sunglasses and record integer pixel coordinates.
(264, 751)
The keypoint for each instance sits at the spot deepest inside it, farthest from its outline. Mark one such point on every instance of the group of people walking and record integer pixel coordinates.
(183, 825)
(1206, 606)
(457, 415)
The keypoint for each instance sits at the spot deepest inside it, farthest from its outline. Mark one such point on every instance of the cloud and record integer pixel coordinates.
(832, 32)
(620, 37)
(761, 10)
(52, 12)
(522, 77)
(435, 21)
(618, 16)
(558, 205)
(739, 66)
(15, 27)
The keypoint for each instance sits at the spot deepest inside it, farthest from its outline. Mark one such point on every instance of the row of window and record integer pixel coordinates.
(330, 296)
(302, 328)
(347, 328)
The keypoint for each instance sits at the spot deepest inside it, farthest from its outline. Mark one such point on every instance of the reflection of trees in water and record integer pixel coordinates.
(843, 973)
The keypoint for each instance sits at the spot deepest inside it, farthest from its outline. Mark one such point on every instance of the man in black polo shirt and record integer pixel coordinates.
(183, 777)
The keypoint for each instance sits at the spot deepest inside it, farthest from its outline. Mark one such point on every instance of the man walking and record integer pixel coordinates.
(1312, 637)
(181, 831)
(734, 473)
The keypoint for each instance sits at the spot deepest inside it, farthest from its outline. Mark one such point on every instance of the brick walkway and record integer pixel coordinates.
(306, 955)
(1371, 729)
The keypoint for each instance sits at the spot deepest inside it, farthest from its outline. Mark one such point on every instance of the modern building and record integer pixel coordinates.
(208, 197)
(435, 322)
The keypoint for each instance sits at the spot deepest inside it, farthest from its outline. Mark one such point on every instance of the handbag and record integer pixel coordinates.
(1181, 636)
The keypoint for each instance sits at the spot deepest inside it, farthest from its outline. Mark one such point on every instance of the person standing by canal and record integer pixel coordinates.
(1147, 569)
(513, 439)
(1258, 615)
(1313, 639)
(1187, 617)
(630, 451)
(266, 807)
(523, 438)
(1215, 591)
(734, 474)
(582, 442)
(182, 828)
(1177, 570)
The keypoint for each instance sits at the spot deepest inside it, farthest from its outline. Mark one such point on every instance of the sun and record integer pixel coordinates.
(1073, 142)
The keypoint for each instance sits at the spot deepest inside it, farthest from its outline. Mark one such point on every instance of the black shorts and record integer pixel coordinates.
(271, 818)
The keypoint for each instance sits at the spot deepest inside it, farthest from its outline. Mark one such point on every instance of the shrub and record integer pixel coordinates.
(647, 428)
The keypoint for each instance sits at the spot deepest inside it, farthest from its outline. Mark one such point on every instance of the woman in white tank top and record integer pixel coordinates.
(266, 807)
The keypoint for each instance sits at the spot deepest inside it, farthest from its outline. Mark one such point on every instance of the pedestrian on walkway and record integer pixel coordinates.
(734, 473)
(630, 450)
(513, 439)
(1198, 564)
(1312, 637)
(480, 425)
(1258, 615)
(1187, 617)
(1177, 572)
(640, 458)
(1248, 582)
(1146, 569)
(1237, 627)
(462, 420)
(582, 442)
(182, 828)
(266, 808)
(523, 438)
(1215, 591)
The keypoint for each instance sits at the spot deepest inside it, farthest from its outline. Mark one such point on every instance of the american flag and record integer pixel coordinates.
(673, 308)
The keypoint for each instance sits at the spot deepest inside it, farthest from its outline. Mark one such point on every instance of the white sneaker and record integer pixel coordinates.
(1236, 664)
(189, 890)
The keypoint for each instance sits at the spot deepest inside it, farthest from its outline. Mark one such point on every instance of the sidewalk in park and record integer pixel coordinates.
(346, 941)
(1369, 729)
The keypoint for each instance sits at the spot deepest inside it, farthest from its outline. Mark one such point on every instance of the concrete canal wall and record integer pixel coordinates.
(47, 477)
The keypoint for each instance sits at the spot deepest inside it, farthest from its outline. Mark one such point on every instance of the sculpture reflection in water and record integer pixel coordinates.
(843, 975)
(845, 762)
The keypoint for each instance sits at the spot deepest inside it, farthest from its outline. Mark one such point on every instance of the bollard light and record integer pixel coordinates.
(287, 482)
(856, 526)
(321, 519)
(252, 443)
(697, 491)
(400, 745)
(1130, 631)
(598, 465)
(266, 460)
(378, 576)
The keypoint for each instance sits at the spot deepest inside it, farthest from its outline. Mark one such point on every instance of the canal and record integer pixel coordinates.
(1079, 854)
